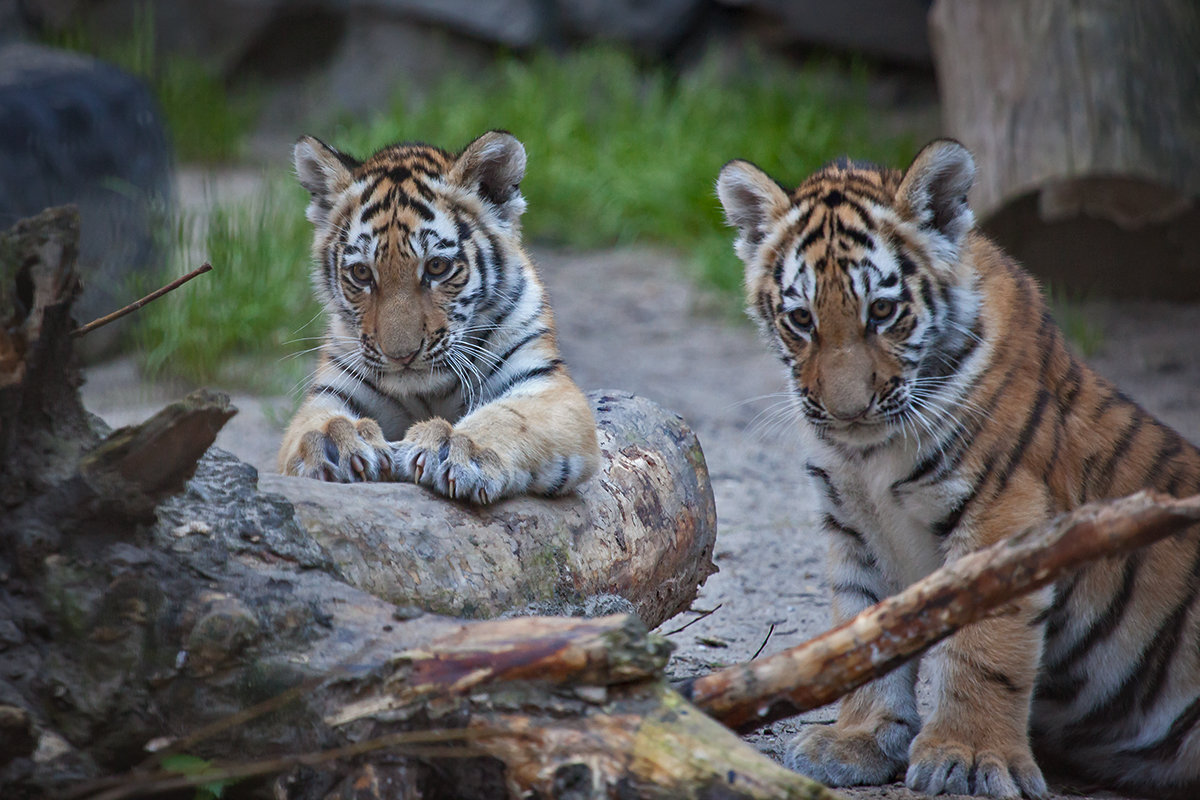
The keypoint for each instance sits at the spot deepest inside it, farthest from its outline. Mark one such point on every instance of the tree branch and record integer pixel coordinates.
(815, 673)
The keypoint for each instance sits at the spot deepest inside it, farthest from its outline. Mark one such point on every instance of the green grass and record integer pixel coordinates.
(232, 325)
(206, 121)
(618, 153)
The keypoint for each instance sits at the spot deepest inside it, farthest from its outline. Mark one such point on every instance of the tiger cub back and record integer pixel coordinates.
(440, 364)
(943, 411)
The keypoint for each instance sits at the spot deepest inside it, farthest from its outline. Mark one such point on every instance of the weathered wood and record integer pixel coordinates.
(546, 650)
(649, 743)
(644, 528)
(886, 635)
(1047, 92)
(135, 467)
(39, 401)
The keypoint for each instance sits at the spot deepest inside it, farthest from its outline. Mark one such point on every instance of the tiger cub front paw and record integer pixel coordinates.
(851, 756)
(450, 463)
(343, 450)
(947, 764)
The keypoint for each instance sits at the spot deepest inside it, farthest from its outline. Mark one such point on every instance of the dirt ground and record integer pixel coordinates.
(629, 319)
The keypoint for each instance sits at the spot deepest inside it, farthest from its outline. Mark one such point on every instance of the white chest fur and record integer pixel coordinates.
(896, 519)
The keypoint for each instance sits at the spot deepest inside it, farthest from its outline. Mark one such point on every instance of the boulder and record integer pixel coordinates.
(643, 528)
(77, 130)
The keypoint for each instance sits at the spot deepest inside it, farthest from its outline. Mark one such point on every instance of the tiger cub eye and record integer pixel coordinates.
(360, 273)
(882, 309)
(437, 267)
(801, 318)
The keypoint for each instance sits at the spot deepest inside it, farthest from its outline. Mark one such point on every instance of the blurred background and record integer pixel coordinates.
(171, 124)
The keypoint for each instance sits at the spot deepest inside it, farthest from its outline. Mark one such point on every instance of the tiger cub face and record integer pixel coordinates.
(409, 248)
(854, 279)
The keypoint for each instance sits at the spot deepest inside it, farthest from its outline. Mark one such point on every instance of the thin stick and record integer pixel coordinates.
(693, 622)
(763, 646)
(134, 306)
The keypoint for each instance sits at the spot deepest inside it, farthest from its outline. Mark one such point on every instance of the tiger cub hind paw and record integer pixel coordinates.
(854, 757)
(449, 463)
(343, 450)
(956, 768)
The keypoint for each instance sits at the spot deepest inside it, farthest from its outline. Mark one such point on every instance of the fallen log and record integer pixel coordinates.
(878, 640)
(642, 529)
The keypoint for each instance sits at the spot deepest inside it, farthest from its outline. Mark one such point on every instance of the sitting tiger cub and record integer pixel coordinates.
(942, 412)
(439, 329)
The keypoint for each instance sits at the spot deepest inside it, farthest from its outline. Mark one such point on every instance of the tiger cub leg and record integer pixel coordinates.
(977, 739)
(325, 441)
(868, 744)
(543, 443)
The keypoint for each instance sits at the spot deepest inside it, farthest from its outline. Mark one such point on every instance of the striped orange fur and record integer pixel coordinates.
(440, 364)
(943, 411)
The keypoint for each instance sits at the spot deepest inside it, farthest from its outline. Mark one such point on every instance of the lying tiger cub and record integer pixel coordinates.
(440, 364)
(943, 412)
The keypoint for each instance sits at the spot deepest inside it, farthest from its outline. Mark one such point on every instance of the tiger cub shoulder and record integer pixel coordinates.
(944, 411)
(439, 364)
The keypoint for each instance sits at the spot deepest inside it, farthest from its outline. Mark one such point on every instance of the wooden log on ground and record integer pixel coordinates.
(1084, 119)
(1043, 91)
(886, 635)
(643, 529)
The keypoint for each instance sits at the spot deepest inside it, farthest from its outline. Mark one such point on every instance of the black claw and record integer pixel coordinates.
(331, 452)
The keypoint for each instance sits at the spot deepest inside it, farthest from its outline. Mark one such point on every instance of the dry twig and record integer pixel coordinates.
(134, 306)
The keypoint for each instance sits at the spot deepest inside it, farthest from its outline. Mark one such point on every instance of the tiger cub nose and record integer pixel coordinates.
(404, 360)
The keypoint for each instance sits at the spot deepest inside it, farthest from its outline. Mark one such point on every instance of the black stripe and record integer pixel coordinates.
(1167, 748)
(822, 476)
(534, 372)
(1172, 445)
(926, 465)
(536, 333)
(832, 524)
(1072, 382)
(563, 477)
(1144, 682)
(1121, 447)
(859, 238)
(1106, 624)
(348, 400)
(1032, 422)
(853, 587)
(816, 233)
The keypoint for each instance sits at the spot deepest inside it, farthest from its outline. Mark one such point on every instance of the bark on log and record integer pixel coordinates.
(643, 528)
(1046, 91)
(886, 635)
(1084, 118)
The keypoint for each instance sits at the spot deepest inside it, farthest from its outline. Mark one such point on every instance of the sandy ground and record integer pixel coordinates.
(629, 319)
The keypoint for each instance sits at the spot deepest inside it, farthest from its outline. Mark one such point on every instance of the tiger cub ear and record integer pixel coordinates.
(324, 172)
(752, 202)
(493, 166)
(933, 194)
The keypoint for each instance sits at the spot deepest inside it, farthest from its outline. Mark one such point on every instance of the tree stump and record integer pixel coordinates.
(1084, 118)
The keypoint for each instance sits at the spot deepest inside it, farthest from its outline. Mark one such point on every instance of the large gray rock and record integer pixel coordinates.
(643, 529)
(76, 130)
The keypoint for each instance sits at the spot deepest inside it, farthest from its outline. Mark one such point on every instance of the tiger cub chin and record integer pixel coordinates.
(943, 411)
(440, 364)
